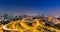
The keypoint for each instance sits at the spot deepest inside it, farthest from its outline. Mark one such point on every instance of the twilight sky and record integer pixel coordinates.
(30, 7)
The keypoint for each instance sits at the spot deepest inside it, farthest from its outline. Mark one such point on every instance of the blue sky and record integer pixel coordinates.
(31, 7)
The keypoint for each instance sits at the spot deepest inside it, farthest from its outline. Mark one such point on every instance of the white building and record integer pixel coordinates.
(55, 21)
(1, 18)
